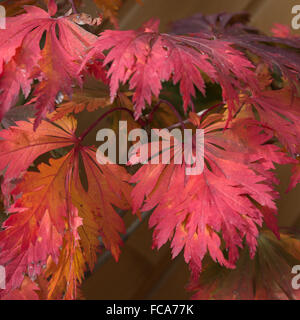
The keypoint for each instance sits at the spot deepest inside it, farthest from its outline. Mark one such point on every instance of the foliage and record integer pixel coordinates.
(238, 85)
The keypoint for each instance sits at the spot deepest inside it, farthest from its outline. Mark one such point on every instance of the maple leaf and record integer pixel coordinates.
(114, 191)
(145, 58)
(68, 272)
(266, 277)
(110, 9)
(295, 178)
(282, 31)
(279, 110)
(214, 24)
(35, 231)
(55, 222)
(92, 96)
(55, 65)
(18, 113)
(276, 52)
(20, 145)
(28, 291)
(217, 46)
(66, 211)
(194, 211)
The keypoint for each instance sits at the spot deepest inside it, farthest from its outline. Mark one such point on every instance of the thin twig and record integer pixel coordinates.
(134, 226)
(201, 114)
(176, 125)
(94, 125)
(182, 123)
(211, 108)
(151, 114)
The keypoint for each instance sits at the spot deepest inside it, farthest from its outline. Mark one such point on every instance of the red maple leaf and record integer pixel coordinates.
(28, 291)
(36, 46)
(20, 146)
(145, 58)
(279, 110)
(276, 52)
(283, 31)
(55, 222)
(227, 201)
(254, 279)
(295, 178)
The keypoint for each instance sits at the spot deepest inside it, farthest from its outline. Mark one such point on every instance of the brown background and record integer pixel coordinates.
(142, 273)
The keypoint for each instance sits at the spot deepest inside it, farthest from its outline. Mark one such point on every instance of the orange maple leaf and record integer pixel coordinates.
(94, 95)
(55, 222)
(28, 291)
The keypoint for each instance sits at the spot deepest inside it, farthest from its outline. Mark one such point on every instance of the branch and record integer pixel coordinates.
(94, 125)
(134, 226)
(173, 109)
(201, 114)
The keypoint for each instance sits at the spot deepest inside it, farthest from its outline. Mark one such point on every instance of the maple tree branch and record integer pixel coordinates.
(94, 125)
(131, 229)
(135, 225)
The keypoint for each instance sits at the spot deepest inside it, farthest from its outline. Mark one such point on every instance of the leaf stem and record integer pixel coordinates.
(209, 109)
(176, 125)
(94, 125)
(151, 114)
(150, 117)
(201, 114)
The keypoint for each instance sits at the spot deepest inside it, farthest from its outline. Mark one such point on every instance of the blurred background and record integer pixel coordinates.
(142, 273)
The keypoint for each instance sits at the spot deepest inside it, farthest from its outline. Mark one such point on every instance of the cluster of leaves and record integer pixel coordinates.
(266, 277)
(108, 8)
(60, 206)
